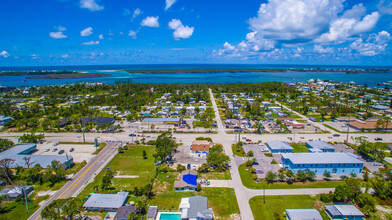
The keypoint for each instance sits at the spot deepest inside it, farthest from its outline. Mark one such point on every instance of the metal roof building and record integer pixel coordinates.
(319, 146)
(161, 120)
(107, 202)
(344, 212)
(279, 147)
(303, 214)
(152, 212)
(341, 163)
(21, 151)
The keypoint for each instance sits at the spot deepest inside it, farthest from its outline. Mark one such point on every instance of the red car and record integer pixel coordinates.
(336, 135)
(248, 140)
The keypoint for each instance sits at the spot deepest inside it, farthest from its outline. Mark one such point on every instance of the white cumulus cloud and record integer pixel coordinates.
(132, 34)
(321, 49)
(86, 32)
(136, 13)
(101, 37)
(169, 3)
(375, 44)
(150, 21)
(64, 56)
(90, 5)
(4, 54)
(91, 42)
(59, 33)
(180, 31)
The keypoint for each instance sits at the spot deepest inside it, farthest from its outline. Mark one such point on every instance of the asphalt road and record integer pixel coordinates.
(80, 180)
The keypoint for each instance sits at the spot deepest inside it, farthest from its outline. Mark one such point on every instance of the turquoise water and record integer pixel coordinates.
(117, 74)
(170, 217)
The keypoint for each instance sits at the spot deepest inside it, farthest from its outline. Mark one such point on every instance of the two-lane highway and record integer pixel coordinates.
(80, 180)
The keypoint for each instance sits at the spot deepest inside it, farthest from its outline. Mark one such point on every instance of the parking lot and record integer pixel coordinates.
(340, 126)
(184, 156)
(263, 162)
(81, 151)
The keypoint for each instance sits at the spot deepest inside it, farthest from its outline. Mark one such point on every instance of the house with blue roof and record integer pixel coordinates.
(187, 181)
(319, 147)
(279, 147)
(334, 163)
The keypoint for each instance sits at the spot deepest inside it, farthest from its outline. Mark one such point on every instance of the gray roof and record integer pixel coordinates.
(124, 211)
(110, 201)
(161, 120)
(279, 145)
(312, 158)
(152, 212)
(320, 145)
(344, 210)
(20, 151)
(199, 208)
(303, 214)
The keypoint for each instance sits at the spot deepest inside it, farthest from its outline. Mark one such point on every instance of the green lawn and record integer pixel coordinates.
(222, 201)
(99, 148)
(247, 180)
(216, 175)
(299, 148)
(17, 210)
(276, 205)
(130, 162)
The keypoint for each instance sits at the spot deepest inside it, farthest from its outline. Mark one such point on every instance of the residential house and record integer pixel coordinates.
(187, 181)
(201, 148)
(344, 212)
(279, 147)
(303, 214)
(195, 208)
(107, 202)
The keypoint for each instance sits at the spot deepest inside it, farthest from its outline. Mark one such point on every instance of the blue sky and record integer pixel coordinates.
(90, 32)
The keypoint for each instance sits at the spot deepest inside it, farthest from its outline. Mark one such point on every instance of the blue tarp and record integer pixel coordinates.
(190, 179)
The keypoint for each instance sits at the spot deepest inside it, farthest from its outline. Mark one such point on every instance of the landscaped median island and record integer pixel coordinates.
(248, 181)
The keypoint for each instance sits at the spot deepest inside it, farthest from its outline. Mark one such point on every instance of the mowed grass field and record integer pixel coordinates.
(276, 205)
(222, 200)
(130, 162)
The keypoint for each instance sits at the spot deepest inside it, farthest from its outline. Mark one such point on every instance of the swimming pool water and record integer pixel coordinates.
(170, 217)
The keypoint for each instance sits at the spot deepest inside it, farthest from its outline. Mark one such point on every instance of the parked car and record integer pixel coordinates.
(248, 140)
(377, 164)
(61, 151)
(55, 144)
(47, 149)
(259, 172)
(71, 150)
(336, 135)
(54, 149)
(132, 135)
(378, 139)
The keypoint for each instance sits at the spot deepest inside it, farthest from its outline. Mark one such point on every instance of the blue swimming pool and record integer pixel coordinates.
(167, 216)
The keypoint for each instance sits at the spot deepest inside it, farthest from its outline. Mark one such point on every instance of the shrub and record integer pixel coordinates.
(250, 154)
(326, 197)
(274, 162)
(268, 154)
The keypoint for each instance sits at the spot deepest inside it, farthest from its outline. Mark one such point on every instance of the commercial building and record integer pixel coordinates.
(201, 148)
(160, 121)
(339, 163)
(20, 152)
(303, 214)
(196, 207)
(367, 125)
(319, 147)
(279, 147)
(187, 181)
(349, 212)
(106, 202)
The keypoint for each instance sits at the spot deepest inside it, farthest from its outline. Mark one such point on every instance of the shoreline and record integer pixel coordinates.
(69, 76)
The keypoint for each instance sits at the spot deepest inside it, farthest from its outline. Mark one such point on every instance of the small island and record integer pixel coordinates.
(68, 76)
(343, 70)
